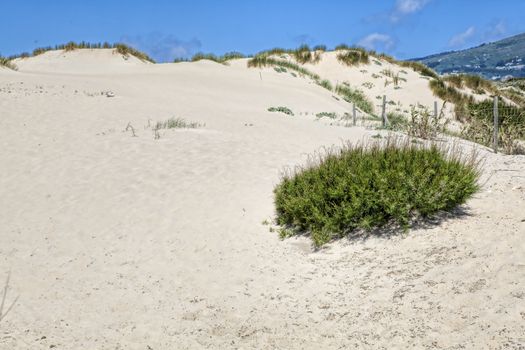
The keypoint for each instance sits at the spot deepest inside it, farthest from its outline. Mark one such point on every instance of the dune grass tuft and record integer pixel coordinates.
(176, 123)
(418, 67)
(6, 62)
(218, 59)
(265, 61)
(281, 109)
(355, 96)
(353, 57)
(367, 186)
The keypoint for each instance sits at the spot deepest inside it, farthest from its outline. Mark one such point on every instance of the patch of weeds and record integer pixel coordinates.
(176, 123)
(355, 96)
(353, 56)
(368, 84)
(331, 115)
(281, 109)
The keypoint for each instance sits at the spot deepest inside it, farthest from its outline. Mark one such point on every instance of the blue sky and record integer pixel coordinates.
(179, 28)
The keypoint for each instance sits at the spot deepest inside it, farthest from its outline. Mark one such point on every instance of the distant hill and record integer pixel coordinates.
(494, 60)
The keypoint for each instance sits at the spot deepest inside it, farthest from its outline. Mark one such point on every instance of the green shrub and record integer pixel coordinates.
(281, 109)
(370, 186)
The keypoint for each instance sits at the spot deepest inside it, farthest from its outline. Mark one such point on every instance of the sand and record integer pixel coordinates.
(122, 242)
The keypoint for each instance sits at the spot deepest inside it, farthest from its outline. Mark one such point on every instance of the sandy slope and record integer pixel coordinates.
(121, 242)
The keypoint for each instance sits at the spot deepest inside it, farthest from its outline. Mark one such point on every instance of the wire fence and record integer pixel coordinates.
(492, 123)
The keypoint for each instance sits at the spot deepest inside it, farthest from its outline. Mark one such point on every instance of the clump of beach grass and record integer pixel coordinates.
(343, 192)
(353, 57)
(281, 109)
(6, 62)
(176, 123)
(355, 96)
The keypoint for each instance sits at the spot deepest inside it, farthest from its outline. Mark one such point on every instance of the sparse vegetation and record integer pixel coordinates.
(423, 124)
(326, 84)
(368, 84)
(353, 57)
(176, 123)
(419, 67)
(218, 59)
(6, 62)
(281, 109)
(480, 126)
(121, 48)
(331, 115)
(355, 96)
(264, 61)
(362, 187)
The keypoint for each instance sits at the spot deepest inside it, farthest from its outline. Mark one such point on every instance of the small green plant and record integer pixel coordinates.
(375, 76)
(396, 122)
(368, 84)
(388, 73)
(331, 115)
(281, 109)
(176, 123)
(423, 124)
(362, 187)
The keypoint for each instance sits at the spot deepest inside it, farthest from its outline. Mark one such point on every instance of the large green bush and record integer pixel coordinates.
(369, 186)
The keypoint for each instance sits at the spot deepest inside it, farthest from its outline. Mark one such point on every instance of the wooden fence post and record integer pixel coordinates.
(496, 116)
(353, 113)
(383, 112)
(435, 109)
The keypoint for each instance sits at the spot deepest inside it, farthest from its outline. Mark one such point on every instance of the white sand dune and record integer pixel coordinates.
(122, 242)
(80, 61)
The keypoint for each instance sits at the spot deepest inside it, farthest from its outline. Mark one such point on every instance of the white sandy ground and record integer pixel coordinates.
(121, 242)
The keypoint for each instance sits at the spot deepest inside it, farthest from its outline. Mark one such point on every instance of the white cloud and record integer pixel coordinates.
(460, 39)
(377, 41)
(406, 7)
(163, 48)
(495, 31)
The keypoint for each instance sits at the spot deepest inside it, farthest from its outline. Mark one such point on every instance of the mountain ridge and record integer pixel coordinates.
(494, 60)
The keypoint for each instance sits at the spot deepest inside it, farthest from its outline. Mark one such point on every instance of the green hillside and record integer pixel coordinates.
(494, 60)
